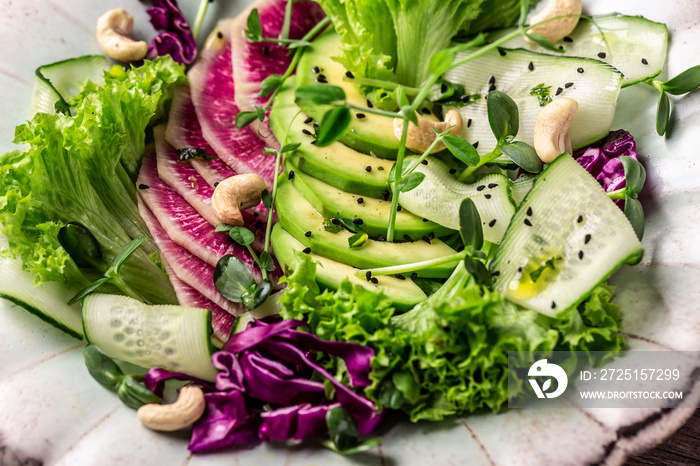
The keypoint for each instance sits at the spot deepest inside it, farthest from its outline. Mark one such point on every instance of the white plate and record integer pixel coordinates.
(53, 413)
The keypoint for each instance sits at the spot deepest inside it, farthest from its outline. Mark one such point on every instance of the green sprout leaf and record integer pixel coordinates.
(407, 385)
(342, 428)
(254, 26)
(101, 367)
(260, 113)
(358, 240)
(335, 123)
(320, 93)
(461, 149)
(270, 151)
(134, 393)
(663, 113)
(477, 270)
(442, 61)
(262, 292)
(635, 175)
(524, 10)
(266, 200)
(266, 261)
(410, 114)
(290, 147)
(331, 227)
(503, 116)
(544, 42)
(523, 155)
(89, 289)
(635, 214)
(470, 228)
(242, 235)
(687, 81)
(126, 252)
(81, 245)
(348, 223)
(411, 182)
(233, 279)
(243, 119)
(270, 85)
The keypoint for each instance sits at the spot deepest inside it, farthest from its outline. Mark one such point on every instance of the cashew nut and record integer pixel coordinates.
(422, 136)
(559, 28)
(186, 410)
(236, 193)
(114, 36)
(552, 129)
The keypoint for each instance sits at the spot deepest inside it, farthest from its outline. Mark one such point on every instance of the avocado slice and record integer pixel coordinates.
(300, 219)
(331, 202)
(330, 274)
(368, 132)
(336, 164)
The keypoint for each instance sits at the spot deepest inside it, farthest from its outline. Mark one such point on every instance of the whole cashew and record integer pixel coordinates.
(552, 129)
(559, 28)
(114, 36)
(422, 136)
(236, 193)
(186, 410)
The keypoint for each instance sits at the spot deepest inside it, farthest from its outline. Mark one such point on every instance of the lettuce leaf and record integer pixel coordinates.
(82, 168)
(449, 355)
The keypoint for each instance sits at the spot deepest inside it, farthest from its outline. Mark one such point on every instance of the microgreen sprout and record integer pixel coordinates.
(686, 82)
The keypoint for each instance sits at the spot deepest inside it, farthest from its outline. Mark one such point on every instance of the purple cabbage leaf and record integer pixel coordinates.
(175, 37)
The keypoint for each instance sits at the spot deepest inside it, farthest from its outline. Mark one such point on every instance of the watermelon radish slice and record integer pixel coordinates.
(185, 265)
(185, 131)
(183, 178)
(221, 321)
(255, 61)
(185, 226)
(213, 96)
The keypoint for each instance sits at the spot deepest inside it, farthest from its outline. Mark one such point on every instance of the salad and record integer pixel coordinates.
(399, 296)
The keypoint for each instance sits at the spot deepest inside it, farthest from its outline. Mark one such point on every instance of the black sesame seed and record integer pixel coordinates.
(425, 111)
(349, 74)
(400, 277)
(502, 52)
(469, 123)
(216, 184)
(580, 254)
(492, 223)
(531, 66)
(487, 196)
(360, 115)
(561, 47)
(559, 91)
(554, 305)
(529, 211)
(587, 239)
(369, 104)
(520, 270)
(321, 79)
(493, 185)
(266, 50)
(316, 125)
(374, 280)
(602, 55)
(464, 98)
(431, 235)
(568, 85)
(426, 239)
(307, 251)
(408, 238)
(443, 88)
(580, 70)
(335, 221)
(357, 221)
(492, 80)
(308, 120)
(568, 39)
(368, 275)
(368, 168)
(492, 87)
(481, 187)
(381, 238)
(307, 234)
(476, 145)
(360, 200)
(453, 171)
(644, 61)
(144, 186)
(600, 181)
(426, 220)
(291, 174)
(259, 225)
(495, 273)
(414, 275)
(386, 194)
(579, 219)
(424, 162)
(382, 95)
(314, 142)
(316, 69)
(398, 208)
(307, 132)
(221, 36)
(528, 222)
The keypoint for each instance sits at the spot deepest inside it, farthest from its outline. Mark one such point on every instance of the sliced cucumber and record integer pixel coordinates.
(48, 301)
(521, 187)
(593, 84)
(566, 237)
(632, 44)
(404, 293)
(175, 338)
(439, 196)
(56, 83)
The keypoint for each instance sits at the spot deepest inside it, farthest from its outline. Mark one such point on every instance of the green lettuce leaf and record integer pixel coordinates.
(82, 168)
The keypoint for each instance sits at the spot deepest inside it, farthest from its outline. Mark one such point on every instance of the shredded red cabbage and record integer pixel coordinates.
(602, 160)
(273, 363)
(175, 38)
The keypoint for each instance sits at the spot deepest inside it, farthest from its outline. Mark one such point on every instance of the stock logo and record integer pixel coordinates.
(544, 369)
